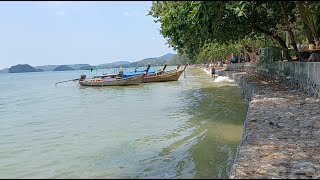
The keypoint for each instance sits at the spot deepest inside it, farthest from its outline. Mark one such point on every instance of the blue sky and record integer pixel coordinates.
(62, 32)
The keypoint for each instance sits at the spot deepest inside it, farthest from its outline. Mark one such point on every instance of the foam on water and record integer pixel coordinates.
(223, 79)
(206, 70)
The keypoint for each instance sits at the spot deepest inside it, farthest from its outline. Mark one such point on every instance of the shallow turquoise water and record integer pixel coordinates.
(184, 129)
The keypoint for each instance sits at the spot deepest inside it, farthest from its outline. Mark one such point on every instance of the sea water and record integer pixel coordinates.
(189, 128)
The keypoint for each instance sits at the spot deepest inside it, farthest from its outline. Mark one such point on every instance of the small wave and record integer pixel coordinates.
(223, 79)
(206, 70)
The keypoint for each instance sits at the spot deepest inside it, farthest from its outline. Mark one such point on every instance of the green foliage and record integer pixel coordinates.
(310, 15)
(191, 26)
(213, 52)
(299, 31)
(178, 59)
(257, 42)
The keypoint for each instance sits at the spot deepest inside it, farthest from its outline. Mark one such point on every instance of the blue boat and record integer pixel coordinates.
(138, 72)
(126, 74)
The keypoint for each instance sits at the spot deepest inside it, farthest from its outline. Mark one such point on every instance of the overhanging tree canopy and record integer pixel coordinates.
(189, 25)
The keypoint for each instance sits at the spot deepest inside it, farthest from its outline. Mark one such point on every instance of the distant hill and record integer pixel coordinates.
(152, 61)
(156, 61)
(113, 65)
(170, 59)
(6, 70)
(20, 68)
(168, 56)
(47, 67)
(63, 68)
(178, 59)
(78, 66)
(52, 67)
(87, 67)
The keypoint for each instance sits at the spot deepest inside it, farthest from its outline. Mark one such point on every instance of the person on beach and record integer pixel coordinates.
(235, 59)
(213, 72)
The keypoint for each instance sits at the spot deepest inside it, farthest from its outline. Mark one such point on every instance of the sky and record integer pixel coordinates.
(83, 32)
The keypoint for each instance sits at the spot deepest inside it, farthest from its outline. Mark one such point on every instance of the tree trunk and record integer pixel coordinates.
(308, 33)
(288, 28)
(309, 19)
(293, 42)
(277, 38)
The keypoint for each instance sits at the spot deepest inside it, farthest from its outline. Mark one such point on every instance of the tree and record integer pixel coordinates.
(189, 26)
(310, 15)
(178, 59)
(177, 25)
(213, 52)
(270, 18)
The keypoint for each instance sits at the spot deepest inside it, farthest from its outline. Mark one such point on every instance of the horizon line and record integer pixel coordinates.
(85, 63)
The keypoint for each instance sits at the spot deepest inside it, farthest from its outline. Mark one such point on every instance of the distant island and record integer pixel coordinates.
(170, 59)
(87, 67)
(63, 68)
(20, 68)
(52, 67)
(114, 65)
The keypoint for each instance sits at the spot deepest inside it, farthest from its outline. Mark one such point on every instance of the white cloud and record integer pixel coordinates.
(60, 13)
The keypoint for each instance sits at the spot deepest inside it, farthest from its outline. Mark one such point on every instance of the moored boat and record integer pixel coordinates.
(126, 74)
(164, 76)
(111, 81)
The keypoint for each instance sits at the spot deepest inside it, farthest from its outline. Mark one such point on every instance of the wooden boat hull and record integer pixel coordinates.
(168, 76)
(133, 80)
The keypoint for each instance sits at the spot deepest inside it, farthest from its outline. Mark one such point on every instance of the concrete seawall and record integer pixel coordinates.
(281, 133)
(306, 75)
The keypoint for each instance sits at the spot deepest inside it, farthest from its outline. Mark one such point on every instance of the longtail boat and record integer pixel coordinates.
(164, 76)
(127, 74)
(111, 81)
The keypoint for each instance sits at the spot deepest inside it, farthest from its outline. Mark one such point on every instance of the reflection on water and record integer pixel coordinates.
(184, 129)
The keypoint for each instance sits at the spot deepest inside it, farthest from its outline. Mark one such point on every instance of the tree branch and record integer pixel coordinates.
(277, 38)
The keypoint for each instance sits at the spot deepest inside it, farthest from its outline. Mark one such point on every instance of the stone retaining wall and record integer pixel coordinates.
(303, 74)
(281, 131)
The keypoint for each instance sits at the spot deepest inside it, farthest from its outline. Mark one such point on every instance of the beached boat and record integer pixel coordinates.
(111, 81)
(164, 76)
